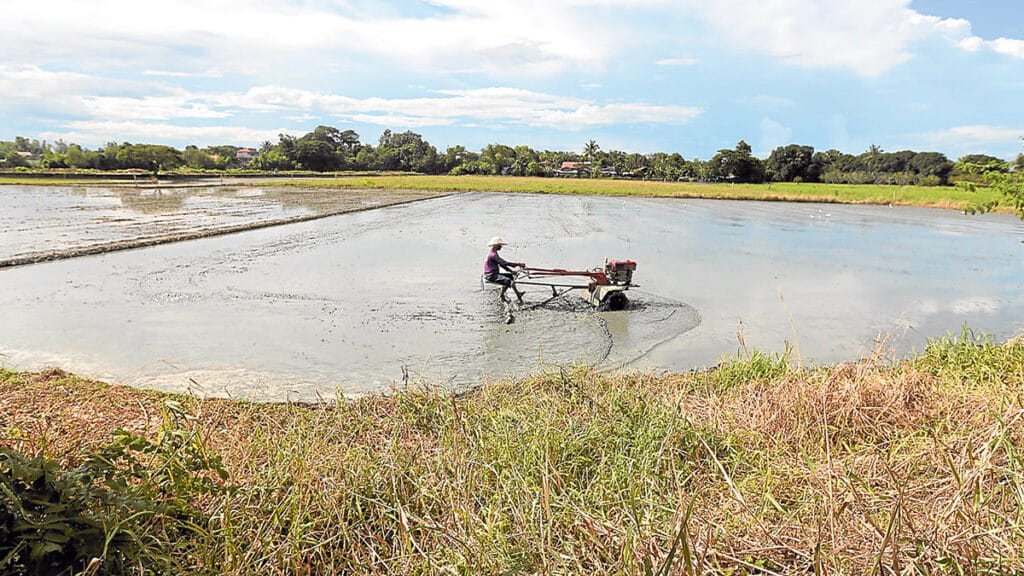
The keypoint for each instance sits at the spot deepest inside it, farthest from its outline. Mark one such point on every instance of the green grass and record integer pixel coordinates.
(940, 197)
(754, 467)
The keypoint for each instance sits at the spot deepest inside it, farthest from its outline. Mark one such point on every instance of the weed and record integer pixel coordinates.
(756, 466)
(127, 508)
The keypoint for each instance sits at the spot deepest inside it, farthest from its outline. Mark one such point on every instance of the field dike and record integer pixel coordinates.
(754, 467)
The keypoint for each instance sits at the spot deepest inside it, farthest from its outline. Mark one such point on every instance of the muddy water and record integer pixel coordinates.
(353, 302)
(38, 222)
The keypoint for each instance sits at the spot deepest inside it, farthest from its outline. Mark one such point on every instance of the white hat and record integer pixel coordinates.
(497, 241)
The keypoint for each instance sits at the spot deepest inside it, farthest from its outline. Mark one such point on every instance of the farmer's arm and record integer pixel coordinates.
(509, 265)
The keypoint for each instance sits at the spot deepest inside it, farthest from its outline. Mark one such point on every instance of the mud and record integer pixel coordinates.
(39, 224)
(362, 301)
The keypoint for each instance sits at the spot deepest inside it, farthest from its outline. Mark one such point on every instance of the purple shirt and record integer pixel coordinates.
(494, 263)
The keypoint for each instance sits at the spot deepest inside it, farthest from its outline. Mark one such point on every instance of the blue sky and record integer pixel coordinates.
(683, 76)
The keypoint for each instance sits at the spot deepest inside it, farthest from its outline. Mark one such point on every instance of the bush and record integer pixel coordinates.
(126, 507)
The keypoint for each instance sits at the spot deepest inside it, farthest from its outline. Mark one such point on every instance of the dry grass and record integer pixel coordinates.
(755, 467)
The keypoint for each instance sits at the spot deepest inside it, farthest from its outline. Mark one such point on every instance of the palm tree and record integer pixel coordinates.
(874, 151)
(590, 149)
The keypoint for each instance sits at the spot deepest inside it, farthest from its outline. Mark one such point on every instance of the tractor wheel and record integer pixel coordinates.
(616, 301)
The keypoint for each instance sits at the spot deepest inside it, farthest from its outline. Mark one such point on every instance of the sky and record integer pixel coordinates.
(686, 76)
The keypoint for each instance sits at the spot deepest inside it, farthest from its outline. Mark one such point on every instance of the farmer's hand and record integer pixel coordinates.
(522, 264)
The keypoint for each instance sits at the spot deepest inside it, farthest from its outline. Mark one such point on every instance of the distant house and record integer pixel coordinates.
(24, 154)
(245, 155)
(572, 169)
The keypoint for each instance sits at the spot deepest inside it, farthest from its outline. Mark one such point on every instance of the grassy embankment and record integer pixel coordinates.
(938, 197)
(753, 467)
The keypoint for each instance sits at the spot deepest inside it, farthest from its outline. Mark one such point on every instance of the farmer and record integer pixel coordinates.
(494, 264)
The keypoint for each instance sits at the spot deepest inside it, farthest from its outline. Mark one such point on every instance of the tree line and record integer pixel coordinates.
(329, 149)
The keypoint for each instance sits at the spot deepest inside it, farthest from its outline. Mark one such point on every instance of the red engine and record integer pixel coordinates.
(620, 271)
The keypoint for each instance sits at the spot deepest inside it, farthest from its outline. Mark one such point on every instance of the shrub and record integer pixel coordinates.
(126, 506)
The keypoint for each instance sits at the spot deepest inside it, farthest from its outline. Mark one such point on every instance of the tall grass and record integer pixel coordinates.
(754, 467)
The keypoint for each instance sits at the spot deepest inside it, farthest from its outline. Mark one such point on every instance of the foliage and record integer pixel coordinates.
(970, 358)
(1011, 186)
(406, 152)
(151, 157)
(15, 160)
(756, 366)
(328, 149)
(787, 163)
(874, 166)
(1008, 186)
(127, 506)
(736, 165)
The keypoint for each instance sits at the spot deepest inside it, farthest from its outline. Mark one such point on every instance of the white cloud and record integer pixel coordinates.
(979, 133)
(1013, 48)
(532, 36)
(869, 37)
(971, 43)
(683, 61)
(398, 120)
(114, 108)
(172, 74)
(1006, 46)
(509, 106)
(499, 37)
(977, 138)
(78, 96)
(147, 67)
(495, 107)
(33, 84)
(97, 132)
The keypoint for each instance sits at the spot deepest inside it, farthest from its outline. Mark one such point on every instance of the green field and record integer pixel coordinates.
(939, 197)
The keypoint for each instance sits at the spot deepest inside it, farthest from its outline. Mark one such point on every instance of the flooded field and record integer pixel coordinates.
(355, 302)
(39, 223)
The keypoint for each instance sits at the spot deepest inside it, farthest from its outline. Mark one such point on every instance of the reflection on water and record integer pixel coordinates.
(148, 201)
(350, 301)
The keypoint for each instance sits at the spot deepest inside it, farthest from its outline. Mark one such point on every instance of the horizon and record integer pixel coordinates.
(641, 76)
